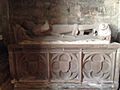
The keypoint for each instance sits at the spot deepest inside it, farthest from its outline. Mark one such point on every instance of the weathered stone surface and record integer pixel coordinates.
(66, 11)
(64, 67)
(64, 8)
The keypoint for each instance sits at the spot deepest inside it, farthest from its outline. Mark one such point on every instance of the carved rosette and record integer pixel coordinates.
(64, 66)
(32, 66)
(97, 66)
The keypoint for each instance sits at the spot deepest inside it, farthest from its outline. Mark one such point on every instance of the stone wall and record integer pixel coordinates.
(65, 12)
(4, 23)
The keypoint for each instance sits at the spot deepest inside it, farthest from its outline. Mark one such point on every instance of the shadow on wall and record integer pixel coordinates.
(4, 65)
(119, 83)
(114, 33)
(118, 37)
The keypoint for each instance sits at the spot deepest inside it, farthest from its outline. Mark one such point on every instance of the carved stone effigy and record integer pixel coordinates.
(84, 34)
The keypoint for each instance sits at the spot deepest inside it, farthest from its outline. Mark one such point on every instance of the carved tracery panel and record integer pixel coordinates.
(64, 66)
(97, 66)
(32, 66)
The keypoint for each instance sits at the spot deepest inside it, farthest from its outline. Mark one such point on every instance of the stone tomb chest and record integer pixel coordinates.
(36, 65)
(59, 60)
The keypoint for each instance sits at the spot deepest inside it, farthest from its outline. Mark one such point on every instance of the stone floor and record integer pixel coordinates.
(63, 87)
(6, 85)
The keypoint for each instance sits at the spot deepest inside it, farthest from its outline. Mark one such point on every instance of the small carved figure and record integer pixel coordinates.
(104, 32)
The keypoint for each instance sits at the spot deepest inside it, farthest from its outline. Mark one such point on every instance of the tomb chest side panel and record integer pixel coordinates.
(31, 65)
(98, 65)
(65, 65)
